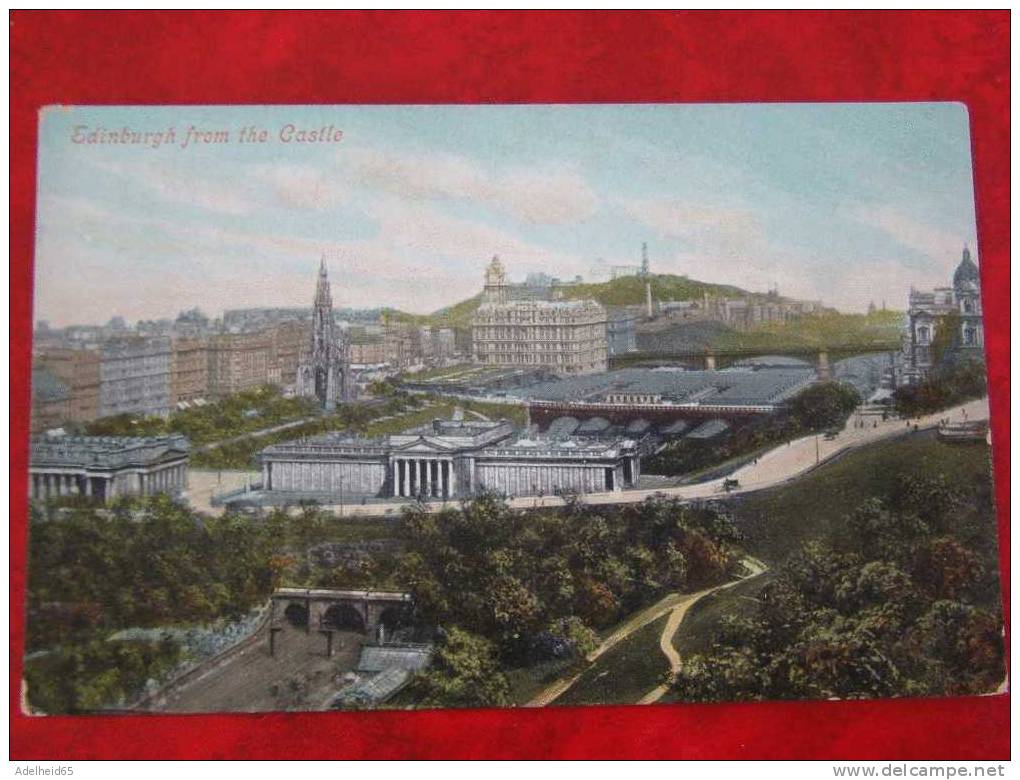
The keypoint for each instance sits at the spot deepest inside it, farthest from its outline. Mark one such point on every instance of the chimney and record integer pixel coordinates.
(648, 299)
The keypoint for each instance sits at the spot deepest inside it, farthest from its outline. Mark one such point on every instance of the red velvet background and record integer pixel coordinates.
(518, 57)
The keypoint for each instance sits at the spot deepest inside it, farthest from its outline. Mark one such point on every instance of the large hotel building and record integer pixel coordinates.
(564, 337)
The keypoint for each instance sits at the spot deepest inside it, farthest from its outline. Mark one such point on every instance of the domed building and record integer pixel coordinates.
(928, 312)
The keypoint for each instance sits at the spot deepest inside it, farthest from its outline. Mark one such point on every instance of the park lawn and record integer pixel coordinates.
(777, 522)
(401, 422)
(496, 411)
(701, 624)
(527, 681)
(625, 673)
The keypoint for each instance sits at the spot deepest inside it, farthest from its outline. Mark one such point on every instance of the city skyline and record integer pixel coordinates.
(850, 203)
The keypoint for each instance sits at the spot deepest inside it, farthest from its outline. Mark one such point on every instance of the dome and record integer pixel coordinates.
(966, 271)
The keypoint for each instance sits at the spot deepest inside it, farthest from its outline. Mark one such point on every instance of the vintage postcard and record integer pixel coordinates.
(355, 407)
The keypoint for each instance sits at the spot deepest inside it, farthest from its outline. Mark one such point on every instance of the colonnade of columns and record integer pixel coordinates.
(165, 480)
(44, 485)
(429, 477)
(57, 484)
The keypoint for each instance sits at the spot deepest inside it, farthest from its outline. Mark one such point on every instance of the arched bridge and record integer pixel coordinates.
(363, 611)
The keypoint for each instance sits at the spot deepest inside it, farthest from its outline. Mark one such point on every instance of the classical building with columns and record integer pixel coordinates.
(107, 467)
(448, 459)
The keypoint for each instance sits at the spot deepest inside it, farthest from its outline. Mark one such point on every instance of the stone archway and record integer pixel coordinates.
(296, 614)
(344, 617)
(395, 617)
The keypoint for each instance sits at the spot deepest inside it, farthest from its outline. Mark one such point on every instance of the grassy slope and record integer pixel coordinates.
(624, 674)
(882, 330)
(777, 522)
(625, 291)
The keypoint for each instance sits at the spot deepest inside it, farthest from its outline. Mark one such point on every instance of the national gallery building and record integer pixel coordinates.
(448, 459)
(106, 467)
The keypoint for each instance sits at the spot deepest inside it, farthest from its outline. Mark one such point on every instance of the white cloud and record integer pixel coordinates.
(178, 185)
(151, 265)
(909, 232)
(543, 196)
(732, 228)
(300, 187)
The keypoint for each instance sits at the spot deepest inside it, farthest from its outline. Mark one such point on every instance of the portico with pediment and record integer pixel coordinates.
(424, 469)
(444, 460)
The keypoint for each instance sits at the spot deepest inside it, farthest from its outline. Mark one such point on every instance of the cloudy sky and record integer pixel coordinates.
(846, 203)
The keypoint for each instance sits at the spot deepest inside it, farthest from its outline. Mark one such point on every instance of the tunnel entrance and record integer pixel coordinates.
(296, 615)
(343, 617)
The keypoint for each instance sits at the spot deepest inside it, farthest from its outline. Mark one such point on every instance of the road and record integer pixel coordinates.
(777, 466)
(299, 677)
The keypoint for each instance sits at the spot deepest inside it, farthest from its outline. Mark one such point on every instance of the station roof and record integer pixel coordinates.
(732, 386)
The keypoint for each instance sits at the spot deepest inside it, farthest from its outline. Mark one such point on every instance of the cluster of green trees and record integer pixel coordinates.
(144, 563)
(903, 600)
(92, 673)
(949, 384)
(148, 562)
(249, 410)
(509, 588)
(817, 408)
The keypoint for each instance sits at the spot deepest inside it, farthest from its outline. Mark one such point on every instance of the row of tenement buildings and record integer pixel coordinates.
(82, 374)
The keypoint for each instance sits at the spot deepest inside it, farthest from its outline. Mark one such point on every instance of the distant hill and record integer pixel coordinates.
(625, 291)
(883, 329)
(630, 290)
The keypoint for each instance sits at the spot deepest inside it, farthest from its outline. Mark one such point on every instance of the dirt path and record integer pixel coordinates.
(675, 603)
(638, 620)
(755, 569)
(254, 434)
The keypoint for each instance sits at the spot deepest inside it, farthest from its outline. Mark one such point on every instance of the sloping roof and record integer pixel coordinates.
(378, 659)
(638, 426)
(563, 426)
(594, 425)
(709, 429)
(675, 428)
(375, 689)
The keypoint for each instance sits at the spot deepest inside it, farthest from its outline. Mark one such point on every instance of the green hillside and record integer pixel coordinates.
(625, 291)
(630, 290)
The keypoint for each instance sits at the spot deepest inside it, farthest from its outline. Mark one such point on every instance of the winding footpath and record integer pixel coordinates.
(677, 604)
(755, 569)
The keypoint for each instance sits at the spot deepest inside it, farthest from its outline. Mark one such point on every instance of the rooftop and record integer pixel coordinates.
(106, 451)
(740, 385)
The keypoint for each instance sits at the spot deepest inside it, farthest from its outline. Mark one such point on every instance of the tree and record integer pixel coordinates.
(464, 673)
(824, 405)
